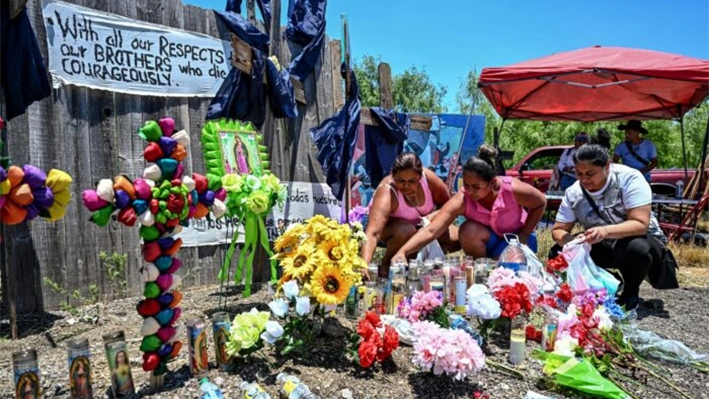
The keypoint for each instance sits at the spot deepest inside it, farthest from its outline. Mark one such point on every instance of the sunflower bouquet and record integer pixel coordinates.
(323, 256)
(250, 198)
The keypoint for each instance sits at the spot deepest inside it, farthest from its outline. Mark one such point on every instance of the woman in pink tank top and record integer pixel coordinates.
(493, 206)
(408, 194)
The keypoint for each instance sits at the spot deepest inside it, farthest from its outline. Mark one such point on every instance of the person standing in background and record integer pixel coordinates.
(636, 152)
(566, 169)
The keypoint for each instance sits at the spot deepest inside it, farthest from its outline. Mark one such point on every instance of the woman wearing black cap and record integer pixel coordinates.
(636, 152)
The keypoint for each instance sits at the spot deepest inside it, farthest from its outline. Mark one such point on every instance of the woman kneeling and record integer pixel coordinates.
(613, 204)
(401, 200)
(492, 205)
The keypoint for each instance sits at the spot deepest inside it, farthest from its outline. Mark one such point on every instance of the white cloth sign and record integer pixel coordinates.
(304, 200)
(109, 52)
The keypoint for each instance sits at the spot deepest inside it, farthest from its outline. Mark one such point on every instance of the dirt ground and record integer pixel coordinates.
(678, 314)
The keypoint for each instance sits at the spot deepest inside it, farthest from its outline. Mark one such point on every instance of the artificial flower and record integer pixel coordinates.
(290, 289)
(287, 241)
(258, 202)
(232, 182)
(271, 183)
(367, 353)
(302, 261)
(564, 294)
(602, 318)
(565, 345)
(500, 278)
(272, 333)
(514, 300)
(557, 264)
(335, 251)
(329, 286)
(481, 304)
(365, 329)
(532, 334)
(302, 305)
(442, 350)
(279, 307)
(252, 183)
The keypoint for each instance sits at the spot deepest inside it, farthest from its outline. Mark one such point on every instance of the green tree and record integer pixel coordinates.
(412, 90)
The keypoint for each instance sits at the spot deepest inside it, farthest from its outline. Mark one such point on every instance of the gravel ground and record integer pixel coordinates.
(677, 314)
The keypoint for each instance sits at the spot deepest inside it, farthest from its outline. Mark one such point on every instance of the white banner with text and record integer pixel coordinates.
(302, 202)
(105, 51)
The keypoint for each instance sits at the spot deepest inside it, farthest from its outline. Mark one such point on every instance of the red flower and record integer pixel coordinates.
(391, 342)
(547, 300)
(367, 353)
(533, 334)
(564, 294)
(557, 264)
(373, 317)
(513, 300)
(365, 329)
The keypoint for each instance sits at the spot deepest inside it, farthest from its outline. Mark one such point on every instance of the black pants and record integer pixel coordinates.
(632, 256)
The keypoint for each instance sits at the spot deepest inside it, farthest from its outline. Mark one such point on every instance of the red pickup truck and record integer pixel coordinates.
(536, 168)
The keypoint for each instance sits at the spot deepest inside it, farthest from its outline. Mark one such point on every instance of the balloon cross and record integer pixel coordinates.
(161, 202)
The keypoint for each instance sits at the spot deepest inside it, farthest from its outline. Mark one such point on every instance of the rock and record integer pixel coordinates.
(346, 394)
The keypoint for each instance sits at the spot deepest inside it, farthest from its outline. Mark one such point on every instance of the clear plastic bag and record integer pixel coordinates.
(647, 343)
(583, 274)
(432, 250)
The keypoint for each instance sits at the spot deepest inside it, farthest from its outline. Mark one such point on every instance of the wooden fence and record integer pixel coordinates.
(91, 135)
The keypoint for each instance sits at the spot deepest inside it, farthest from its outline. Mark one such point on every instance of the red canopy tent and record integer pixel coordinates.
(596, 84)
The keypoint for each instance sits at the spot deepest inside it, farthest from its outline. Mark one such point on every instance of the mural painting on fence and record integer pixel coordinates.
(444, 149)
(161, 202)
(110, 52)
(234, 154)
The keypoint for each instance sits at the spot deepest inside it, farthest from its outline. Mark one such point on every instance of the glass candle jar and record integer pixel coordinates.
(119, 365)
(26, 372)
(79, 369)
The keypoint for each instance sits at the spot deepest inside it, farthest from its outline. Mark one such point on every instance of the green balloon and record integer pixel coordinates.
(151, 290)
(151, 343)
(166, 185)
(103, 215)
(215, 182)
(150, 233)
(151, 131)
(161, 218)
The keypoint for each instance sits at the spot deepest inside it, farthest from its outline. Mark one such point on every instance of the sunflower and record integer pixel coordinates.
(336, 251)
(301, 261)
(289, 239)
(329, 286)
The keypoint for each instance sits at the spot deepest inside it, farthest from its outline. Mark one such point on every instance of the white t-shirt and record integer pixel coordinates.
(567, 160)
(625, 189)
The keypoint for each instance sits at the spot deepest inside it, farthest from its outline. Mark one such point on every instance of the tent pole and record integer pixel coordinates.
(684, 150)
(705, 142)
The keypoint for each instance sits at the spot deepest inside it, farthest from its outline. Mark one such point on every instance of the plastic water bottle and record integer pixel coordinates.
(293, 388)
(679, 192)
(253, 390)
(211, 391)
(513, 256)
(460, 323)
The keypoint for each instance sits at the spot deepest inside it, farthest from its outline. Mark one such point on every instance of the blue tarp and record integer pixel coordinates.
(336, 138)
(384, 143)
(24, 76)
(306, 26)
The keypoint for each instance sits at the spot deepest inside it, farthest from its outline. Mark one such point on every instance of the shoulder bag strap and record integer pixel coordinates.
(593, 205)
(635, 154)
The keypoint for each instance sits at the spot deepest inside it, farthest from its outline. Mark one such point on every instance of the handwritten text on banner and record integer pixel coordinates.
(110, 52)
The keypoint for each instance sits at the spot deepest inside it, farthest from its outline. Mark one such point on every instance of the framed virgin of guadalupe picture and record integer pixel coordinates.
(233, 147)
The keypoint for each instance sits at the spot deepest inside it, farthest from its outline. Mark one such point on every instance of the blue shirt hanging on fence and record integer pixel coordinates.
(384, 143)
(24, 76)
(336, 139)
(306, 27)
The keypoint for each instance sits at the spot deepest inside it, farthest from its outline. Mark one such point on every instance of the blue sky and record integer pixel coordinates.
(449, 38)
